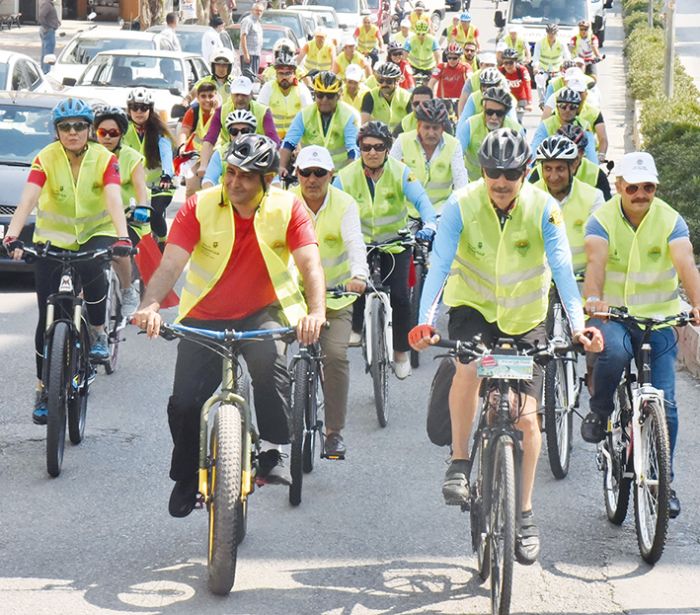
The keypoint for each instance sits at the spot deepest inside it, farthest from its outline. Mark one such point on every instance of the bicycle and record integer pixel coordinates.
(377, 340)
(636, 450)
(228, 448)
(421, 249)
(496, 457)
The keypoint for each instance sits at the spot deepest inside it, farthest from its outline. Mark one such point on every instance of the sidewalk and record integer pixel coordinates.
(688, 36)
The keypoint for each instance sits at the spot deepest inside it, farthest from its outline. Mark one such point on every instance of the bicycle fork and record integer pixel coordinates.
(383, 298)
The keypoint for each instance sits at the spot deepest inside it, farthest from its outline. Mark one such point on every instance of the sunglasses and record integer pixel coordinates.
(634, 188)
(68, 126)
(568, 106)
(314, 172)
(112, 133)
(583, 28)
(234, 132)
(453, 57)
(322, 95)
(508, 62)
(139, 107)
(386, 81)
(496, 112)
(377, 147)
(510, 174)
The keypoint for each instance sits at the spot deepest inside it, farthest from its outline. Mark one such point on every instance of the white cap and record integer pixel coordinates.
(487, 58)
(405, 23)
(577, 85)
(320, 31)
(354, 73)
(574, 73)
(242, 85)
(514, 28)
(639, 168)
(349, 40)
(315, 157)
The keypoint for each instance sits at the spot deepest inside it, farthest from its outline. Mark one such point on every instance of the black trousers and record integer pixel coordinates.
(198, 375)
(159, 203)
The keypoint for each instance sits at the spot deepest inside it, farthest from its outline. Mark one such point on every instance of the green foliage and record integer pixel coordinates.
(633, 21)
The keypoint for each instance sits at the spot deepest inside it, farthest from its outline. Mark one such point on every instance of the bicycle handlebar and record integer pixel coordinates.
(67, 255)
(475, 348)
(172, 331)
(621, 314)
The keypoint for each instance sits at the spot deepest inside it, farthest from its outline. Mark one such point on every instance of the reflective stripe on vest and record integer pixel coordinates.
(551, 57)
(477, 134)
(284, 108)
(334, 139)
(212, 253)
(318, 58)
(390, 114)
(421, 55)
(501, 273)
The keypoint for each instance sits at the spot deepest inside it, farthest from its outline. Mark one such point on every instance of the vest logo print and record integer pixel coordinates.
(476, 249)
(523, 245)
(578, 223)
(654, 252)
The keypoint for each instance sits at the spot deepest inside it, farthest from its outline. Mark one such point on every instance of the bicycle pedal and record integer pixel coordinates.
(199, 502)
(333, 457)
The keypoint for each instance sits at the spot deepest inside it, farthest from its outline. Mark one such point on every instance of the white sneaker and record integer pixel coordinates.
(402, 369)
(130, 301)
(355, 339)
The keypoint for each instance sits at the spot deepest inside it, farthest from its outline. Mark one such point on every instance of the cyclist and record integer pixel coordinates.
(285, 95)
(473, 84)
(550, 52)
(238, 122)
(397, 54)
(349, 55)
(448, 78)
(381, 186)
(404, 32)
(569, 70)
(585, 45)
(355, 89)
(418, 15)
(336, 218)
(319, 53)
(221, 66)
(329, 123)
(75, 211)
(386, 103)
(423, 50)
(638, 247)
(434, 157)
(409, 122)
(497, 103)
(464, 32)
(282, 45)
(369, 39)
(239, 241)
(500, 241)
(514, 39)
(488, 78)
(518, 78)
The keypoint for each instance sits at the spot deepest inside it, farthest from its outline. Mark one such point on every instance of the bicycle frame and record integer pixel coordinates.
(382, 297)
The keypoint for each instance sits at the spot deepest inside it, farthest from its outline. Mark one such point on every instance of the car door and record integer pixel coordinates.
(20, 76)
(34, 76)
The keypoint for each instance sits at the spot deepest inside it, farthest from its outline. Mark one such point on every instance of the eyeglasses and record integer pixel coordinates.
(139, 107)
(77, 126)
(386, 81)
(329, 95)
(234, 132)
(377, 147)
(496, 112)
(510, 174)
(453, 57)
(508, 62)
(285, 73)
(583, 28)
(568, 106)
(314, 172)
(634, 188)
(112, 133)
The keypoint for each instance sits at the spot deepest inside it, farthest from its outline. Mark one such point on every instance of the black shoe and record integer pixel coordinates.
(674, 505)
(183, 497)
(593, 428)
(455, 486)
(334, 447)
(271, 468)
(527, 543)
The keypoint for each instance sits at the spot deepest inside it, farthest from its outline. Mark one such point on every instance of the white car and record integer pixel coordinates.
(168, 75)
(349, 12)
(85, 45)
(326, 17)
(20, 72)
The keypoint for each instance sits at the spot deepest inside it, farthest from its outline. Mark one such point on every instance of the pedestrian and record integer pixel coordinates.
(169, 32)
(48, 24)
(211, 39)
(251, 39)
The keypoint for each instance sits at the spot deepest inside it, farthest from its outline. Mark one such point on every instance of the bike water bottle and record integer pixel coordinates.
(142, 214)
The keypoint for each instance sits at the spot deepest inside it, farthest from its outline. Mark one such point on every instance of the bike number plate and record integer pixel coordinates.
(66, 285)
(506, 367)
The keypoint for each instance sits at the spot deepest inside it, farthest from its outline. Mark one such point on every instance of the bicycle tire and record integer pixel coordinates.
(558, 418)
(380, 365)
(224, 505)
(477, 517)
(311, 423)
(416, 292)
(57, 383)
(242, 515)
(502, 525)
(617, 494)
(113, 321)
(300, 400)
(652, 540)
(78, 401)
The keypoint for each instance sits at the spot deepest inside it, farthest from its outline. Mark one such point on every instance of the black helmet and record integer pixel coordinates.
(574, 133)
(567, 95)
(510, 54)
(557, 147)
(552, 28)
(500, 95)
(504, 149)
(285, 58)
(376, 130)
(105, 112)
(433, 111)
(388, 70)
(254, 153)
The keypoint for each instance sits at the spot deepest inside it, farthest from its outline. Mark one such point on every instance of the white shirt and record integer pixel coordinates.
(211, 40)
(169, 35)
(266, 92)
(460, 178)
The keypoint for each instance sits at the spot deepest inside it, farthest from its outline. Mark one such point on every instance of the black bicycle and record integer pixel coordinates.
(421, 249)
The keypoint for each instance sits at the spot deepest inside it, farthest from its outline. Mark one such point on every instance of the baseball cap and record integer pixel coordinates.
(354, 73)
(216, 21)
(349, 40)
(242, 85)
(638, 168)
(320, 31)
(574, 73)
(315, 157)
(577, 85)
(513, 28)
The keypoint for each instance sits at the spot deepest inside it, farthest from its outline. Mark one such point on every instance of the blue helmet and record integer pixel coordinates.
(465, 16)
(72, 107)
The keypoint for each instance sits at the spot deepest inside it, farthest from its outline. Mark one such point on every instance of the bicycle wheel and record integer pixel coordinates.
(477, 517)
(616, 486)
(380, 364)
(113, 322)
(558, 417)
(501, 526)
(57, 383)
(224, 505)
(80, 387)
(314, 409)
(416, 292)
(652, 483)
(300, 400)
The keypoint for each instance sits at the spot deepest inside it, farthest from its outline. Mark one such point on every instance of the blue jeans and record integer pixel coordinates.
(48, 45)
(621, 341)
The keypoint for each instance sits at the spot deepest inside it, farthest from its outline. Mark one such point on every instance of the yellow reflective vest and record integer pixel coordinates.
(132, 139)
(355, 103)
(334, 138)
(367, 39)
(551, 56)
(588, 172)
(477, 134)
(553, 123)
(459, 36)
(318, 58)
(420, 54)
(284, 107)
(390, 113)
(343, 62)
(257, 109)
(409, 122)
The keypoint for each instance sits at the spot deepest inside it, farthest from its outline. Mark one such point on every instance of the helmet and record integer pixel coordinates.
(419, 5)
(327, 82)
(281, 43)
(433, 111)
(575, 134)
(253, 153)
(454, 49)
(377, 130)
(348, 41)
(139, 95)
(421, 27)
(500, 95)
(557, 147)
(393, 46)
(241, 116)
(504, 149)
(567, 95)
(552, 28)
(284, 58)
(388, 70)
(510, 54)
(465, 16)
(105, 112)
(583, 24)
(72, 107)
(490, 76)
(222, 55)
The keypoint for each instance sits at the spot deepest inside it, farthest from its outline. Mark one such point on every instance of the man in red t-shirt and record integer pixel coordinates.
(519, 81)
(449, 77)
(237, 293)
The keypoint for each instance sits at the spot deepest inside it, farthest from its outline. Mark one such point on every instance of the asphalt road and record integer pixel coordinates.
(371, 536)
(688, 37)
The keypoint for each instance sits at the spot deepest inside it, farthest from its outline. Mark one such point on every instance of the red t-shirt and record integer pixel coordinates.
(519, 83)
(111, 175)
(407, 81)
(188, 118)
(450, 80)
(245, 286)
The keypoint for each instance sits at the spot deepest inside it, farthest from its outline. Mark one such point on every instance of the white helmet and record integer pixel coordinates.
(241, 116)
(283, 42)
(139, 95)
(222, 54)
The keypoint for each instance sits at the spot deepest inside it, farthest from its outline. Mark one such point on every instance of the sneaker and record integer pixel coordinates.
(527, 543)
(40, 414)
(593, 428)
(100, 347)
(355, 339)
(455, 486)
(402, 369)
(130, 301)
(334, 447)
(271, 468)
(674, 505)
(183, 497)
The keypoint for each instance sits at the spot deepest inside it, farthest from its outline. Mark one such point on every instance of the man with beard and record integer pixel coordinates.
(386, 103)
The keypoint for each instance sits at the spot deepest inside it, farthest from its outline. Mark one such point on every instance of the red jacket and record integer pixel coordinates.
(519, 83)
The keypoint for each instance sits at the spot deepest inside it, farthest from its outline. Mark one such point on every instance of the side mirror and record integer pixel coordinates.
(598, 23)
(178, 112)
(175, 91)
(49, 58)
(69, 81)
(608, 4)
(498, 19)
(91, 16)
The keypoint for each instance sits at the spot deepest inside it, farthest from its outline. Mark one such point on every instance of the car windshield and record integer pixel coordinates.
(327, 19)
(271, 35)
(82, 50)
(191, 41)
(340, 6)
(373, 4)
(564, 12)
(131, 71)
(290, 20)
(3, 75)
(24, 131)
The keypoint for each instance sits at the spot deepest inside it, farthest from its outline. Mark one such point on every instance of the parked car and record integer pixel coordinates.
(271, 34)
(326, 17)
(85, 45)
(190, 37)
(349, 11)
(302, 25)
(20, 72)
